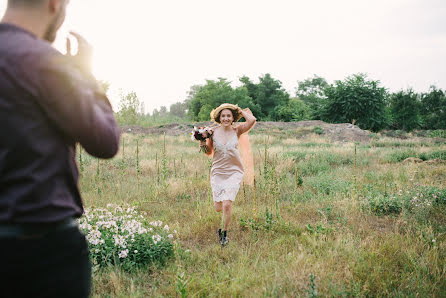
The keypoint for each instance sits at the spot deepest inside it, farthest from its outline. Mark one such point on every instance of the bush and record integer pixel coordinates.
(440, 154)
(399, 156)
(294, 110)
(439, 133)
(120, 237)
(417, 201)
(384, 204)
(318, 130)
(356, 99)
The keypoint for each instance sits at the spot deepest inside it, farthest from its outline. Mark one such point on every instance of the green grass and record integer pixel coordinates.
(287, 238)
(398, 156)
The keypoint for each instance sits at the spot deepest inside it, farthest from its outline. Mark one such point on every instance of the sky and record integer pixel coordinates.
(159, 49)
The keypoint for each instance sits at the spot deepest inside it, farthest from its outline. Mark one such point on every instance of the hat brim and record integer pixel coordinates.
(215, 112)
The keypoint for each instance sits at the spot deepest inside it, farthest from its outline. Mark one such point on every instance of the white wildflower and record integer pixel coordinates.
(156, 238)
(123, 254)
(120, 241)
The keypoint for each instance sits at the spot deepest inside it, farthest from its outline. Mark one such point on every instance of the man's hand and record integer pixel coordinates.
(84, 55)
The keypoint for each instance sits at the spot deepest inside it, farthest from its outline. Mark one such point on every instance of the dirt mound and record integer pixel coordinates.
(342, 132)
(435, 161)
(412, 160)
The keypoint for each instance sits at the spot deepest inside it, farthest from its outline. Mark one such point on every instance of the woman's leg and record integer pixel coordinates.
(218, 206)
(227, 213)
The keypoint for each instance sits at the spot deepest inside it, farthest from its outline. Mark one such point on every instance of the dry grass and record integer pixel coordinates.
(355, 253)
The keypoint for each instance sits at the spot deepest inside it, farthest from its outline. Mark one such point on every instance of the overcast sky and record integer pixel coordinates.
(161, 48)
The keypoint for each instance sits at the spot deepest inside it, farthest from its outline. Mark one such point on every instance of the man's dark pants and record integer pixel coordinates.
(53, 265)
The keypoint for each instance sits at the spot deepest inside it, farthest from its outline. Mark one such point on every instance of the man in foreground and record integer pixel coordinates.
(48, 103)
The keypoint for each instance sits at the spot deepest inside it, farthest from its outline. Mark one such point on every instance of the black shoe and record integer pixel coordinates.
(220, 236)
(224, 240)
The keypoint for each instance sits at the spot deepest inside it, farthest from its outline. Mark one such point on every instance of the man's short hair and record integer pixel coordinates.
(25, 3)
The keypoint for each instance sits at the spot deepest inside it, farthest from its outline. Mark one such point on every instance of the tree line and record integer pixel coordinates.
(356, 99)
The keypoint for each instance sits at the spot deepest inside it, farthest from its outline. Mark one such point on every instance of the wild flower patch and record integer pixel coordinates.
(120, 236)
(415, 200)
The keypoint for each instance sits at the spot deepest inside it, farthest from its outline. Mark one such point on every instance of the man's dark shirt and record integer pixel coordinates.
(47, 105)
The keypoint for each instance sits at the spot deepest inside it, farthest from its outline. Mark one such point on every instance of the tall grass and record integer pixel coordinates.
(297, 232)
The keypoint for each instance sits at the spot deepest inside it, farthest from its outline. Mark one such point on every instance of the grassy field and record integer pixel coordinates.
(324, 219)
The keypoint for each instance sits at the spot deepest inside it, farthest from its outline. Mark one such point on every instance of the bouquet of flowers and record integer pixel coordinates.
(201, 133)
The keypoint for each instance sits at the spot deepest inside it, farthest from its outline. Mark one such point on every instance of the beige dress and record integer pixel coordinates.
(227, 169)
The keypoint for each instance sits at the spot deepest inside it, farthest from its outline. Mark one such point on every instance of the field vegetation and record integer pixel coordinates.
(324, 218)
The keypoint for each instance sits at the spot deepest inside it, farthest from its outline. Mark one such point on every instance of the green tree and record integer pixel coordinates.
(214, 93)
(155, 113)
(193, 106)
(312, 92)
(294, 110)
(266, 95)
(163, 111)
(404, 110)
(356, 99)
(433, 109)
(178, 109)
(205, 113)
(129, 108)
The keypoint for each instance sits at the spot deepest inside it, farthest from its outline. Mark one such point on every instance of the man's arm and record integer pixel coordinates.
(78, 107)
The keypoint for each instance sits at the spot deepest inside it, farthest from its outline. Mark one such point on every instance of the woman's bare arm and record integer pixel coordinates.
(207, 146)
(250, 121)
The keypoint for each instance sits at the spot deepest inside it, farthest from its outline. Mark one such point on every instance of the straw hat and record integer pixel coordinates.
(215, 112)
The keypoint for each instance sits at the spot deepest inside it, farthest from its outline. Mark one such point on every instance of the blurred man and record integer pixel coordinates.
(48, 103)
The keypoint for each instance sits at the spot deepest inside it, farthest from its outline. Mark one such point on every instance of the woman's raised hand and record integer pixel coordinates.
(247, 110)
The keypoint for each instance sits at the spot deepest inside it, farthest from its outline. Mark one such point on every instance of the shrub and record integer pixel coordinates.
(318, 130)
(294, 110)
(440, 154)
(399, 156)
(439, 133)
(121, 237)
(417, 201)
(384, 204)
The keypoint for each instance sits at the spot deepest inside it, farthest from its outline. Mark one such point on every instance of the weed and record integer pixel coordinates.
(311, 288)
(318, 130)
